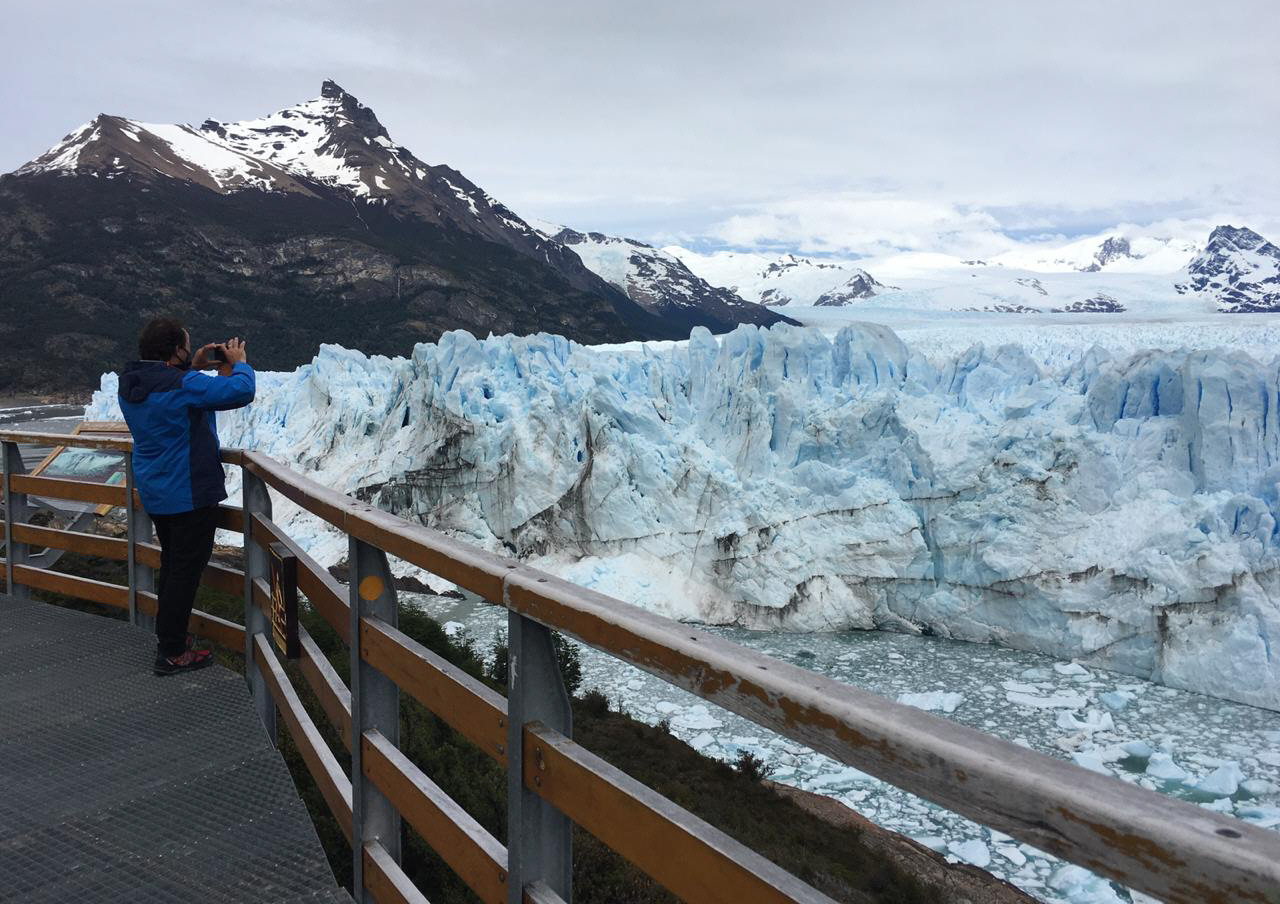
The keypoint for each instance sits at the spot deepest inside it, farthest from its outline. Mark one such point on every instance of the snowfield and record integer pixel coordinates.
(1113, 506)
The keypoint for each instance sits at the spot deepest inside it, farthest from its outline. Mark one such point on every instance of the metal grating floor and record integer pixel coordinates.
(118, 786)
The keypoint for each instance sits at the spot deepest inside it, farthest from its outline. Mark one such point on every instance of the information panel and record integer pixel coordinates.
(284, 601)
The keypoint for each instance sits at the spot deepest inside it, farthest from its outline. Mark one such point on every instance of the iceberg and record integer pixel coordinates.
(1113, 509)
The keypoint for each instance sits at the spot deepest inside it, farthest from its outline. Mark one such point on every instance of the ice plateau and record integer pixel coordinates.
(1120, 509)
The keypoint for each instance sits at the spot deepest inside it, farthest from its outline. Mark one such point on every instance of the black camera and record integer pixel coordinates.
(217, 355)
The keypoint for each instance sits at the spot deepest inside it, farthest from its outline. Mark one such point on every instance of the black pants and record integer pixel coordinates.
(186, 543)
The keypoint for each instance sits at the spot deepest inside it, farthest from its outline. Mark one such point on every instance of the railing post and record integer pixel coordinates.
(15, 512)
(375, 705)
(256, 565)
(539, 839)
(133, 525)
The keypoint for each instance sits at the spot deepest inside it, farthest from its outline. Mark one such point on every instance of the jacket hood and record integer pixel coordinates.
(141, 378)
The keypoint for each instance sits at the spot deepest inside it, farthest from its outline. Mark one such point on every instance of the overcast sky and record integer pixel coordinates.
(826, 127)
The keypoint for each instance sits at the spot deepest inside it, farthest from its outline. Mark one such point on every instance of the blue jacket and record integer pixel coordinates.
(170, 412)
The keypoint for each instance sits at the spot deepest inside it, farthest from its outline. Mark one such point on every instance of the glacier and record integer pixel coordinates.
(1116, 508)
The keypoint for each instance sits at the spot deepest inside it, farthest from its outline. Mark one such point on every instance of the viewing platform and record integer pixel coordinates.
(116, 785)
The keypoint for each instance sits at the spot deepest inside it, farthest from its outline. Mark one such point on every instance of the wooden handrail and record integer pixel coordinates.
(333, 695)
(72, 440)
(386, 880)
(334, 785)
(102, 592)
(692, 859)
(465, 565)
(465, 704)
(472, 853)
(67, 488)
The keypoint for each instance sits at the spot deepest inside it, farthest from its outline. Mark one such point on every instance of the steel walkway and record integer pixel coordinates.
(118, 786)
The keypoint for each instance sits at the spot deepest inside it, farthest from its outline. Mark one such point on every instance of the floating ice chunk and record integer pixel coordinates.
(1162, 766)
(666, 707)
(933, 700)
(1061, 700)
(972, 851)
(1140, 749)
(1090, 761)
(696, 718)
(932, 842)
(1012, 854)
(1224, 781)
(702, 741)
(846, 776)
(1036, 674)
(1259, 815)
(1258, 787)
(1116, 699)
(1269, 757)
(1019, 688)
(1221, 805)
(453, 628)
(1094, 720)
(1070, 668)
(1078, 885)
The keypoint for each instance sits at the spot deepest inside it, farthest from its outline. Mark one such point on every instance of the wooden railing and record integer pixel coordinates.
(1168, 848)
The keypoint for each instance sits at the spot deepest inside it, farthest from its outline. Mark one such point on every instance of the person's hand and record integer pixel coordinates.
(201, 360)
(234, 350)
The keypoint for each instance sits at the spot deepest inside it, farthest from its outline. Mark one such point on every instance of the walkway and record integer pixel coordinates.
(119, 786)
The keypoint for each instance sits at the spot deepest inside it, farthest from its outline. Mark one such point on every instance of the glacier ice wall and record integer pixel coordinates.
(1121, 509)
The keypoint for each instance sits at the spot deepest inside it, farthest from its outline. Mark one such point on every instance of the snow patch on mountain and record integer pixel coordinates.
(1120, 510)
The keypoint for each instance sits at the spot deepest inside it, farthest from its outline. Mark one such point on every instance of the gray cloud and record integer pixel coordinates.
(782, 123)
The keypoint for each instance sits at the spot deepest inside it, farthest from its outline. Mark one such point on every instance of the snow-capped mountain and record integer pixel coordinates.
(789, 280)
(1118, 252)
(857, 287)
(256, 226)
(658, 282)
(1117, 507)
(1239, 269)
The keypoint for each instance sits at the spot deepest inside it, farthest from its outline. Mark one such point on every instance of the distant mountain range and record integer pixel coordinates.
(657, 281)
(1236, 271)
(306, 226)
(786, 280)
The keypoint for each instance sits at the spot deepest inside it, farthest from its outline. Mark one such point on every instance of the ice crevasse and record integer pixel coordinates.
(1118, 509)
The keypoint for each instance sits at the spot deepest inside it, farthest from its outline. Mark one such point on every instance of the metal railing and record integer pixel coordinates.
(1168, 848)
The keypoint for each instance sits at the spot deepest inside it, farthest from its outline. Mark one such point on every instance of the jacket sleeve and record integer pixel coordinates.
(222, 393)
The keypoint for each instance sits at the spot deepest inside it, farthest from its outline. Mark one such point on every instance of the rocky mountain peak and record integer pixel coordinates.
(1240, 268)
(1229, 238)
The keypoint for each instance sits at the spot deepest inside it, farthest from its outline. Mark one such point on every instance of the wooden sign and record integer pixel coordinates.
(284, 601)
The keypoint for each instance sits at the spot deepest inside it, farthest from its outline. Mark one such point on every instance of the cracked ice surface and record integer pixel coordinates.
(1118, 507)
(1226, 755)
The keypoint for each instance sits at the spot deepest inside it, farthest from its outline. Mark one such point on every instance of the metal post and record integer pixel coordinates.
(15, 512)
(131, 527)
(256, 565)
(141, 577)
(539, 839)
(375, 705)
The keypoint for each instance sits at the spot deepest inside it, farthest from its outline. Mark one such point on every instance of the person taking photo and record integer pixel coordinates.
(169, 405)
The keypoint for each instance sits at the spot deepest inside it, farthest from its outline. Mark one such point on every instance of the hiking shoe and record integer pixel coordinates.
(187, 661)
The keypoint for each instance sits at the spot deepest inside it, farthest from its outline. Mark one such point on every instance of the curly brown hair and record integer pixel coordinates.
(160, 338)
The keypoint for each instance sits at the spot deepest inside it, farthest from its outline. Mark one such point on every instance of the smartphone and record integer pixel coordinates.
(217, 355)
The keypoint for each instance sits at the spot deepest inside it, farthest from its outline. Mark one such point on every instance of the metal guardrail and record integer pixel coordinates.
(1168, 848)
